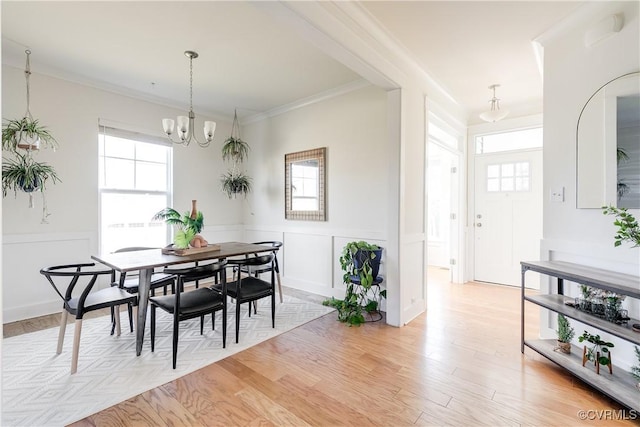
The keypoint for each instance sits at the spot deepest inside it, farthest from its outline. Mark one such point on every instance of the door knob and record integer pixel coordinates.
(479, 224)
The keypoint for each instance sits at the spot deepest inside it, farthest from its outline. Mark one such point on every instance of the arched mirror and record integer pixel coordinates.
(608, 145)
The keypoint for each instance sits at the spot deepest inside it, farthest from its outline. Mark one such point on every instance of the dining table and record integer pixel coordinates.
(146, 261)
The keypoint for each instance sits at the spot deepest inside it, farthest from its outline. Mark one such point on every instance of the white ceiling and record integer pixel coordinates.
(253, 62)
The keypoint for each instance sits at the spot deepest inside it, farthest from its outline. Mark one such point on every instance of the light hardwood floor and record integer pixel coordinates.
(458, 364)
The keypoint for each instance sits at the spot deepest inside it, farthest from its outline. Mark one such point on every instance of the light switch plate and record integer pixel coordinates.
(557, 194)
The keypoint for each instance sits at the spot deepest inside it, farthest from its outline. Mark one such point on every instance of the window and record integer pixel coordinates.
(509, 141)
(508, 177)
(134, 184)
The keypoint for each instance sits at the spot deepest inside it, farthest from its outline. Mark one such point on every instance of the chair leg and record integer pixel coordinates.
(273, 310)
(76, 346)
(117, 312)
(113, 321)
(153, 327)
(279, 287)
(237, 319)
(176, 324)
(130, 311)
(213, 321)
(63, 327)
(255, 307)
(201, 325)
(224, 326)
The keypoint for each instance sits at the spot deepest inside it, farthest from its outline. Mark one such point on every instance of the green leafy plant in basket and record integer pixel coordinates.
(25, 174)
(358, 259)
(188, 226)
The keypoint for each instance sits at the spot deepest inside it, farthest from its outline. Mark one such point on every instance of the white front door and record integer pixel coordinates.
(507, 215)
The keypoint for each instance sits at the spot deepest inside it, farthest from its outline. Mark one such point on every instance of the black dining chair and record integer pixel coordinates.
(187, 304)
(81, 280)
(251, 288)
(130, 284)
(267, 268)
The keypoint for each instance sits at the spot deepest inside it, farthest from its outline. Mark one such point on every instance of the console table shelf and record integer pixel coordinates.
(619, 386)
(557, 303)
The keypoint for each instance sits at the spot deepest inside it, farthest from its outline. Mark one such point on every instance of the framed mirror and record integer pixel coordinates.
(608, 145)
(304, 185)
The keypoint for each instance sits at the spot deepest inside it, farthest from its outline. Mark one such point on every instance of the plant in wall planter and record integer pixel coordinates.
(598, 353)
(236, 151)
(188, 226)
(565, 334)
(360, 263)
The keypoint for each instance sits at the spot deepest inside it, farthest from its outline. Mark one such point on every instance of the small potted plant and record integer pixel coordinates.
(565, 334)
(598, 353)
(234, 183)
(26, 133)
(189, 225)
(25, 174)
(360, 262)
(587, 295)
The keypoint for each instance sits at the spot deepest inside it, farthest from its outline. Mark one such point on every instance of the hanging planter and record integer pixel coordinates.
(21, 172)
(25, 174)
(234, 184)
(235, 150)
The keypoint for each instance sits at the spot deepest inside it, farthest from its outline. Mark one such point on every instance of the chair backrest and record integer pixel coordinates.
(200, 272)
(276, 245)
(255, 262)
(74, 272)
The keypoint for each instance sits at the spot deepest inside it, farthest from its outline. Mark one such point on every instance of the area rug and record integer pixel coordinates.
(37, 389)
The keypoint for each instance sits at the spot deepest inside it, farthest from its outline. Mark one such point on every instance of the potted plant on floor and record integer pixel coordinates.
(565, 334)
(360, 262)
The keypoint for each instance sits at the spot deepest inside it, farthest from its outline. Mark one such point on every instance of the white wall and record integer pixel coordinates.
(353, 128)
(71, 112)
(572, 72)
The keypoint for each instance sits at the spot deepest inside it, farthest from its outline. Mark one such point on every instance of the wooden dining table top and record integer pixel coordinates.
(151, 258)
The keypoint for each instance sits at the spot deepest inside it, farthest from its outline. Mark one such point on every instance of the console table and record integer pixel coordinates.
(620, 386)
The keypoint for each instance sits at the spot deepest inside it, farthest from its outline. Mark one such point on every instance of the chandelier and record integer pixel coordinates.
(186, 126)
(495, 113)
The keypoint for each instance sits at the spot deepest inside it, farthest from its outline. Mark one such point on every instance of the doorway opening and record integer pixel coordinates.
(444, 198)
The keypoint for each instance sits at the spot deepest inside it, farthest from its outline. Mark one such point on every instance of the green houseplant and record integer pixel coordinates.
(565, 334)
(25, 133)
(598, 352)
(188, 226)
(235, 150)
(360, 260)
(628, 228)
(25, 174)
(234, 183)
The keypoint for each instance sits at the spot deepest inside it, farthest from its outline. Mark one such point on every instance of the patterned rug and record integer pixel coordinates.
(37, 389)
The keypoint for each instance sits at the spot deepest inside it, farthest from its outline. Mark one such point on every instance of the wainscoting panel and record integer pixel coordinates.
(307, 262)
(25, 292)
